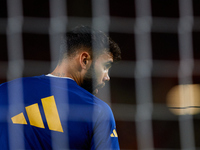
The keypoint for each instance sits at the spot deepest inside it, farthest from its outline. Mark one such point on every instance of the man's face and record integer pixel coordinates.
(97, 75)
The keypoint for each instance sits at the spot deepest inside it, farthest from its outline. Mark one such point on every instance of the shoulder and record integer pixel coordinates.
(87, 97)
(99, 105)
(103, 111)
(21, 80)
(100, 108)
(17, 84)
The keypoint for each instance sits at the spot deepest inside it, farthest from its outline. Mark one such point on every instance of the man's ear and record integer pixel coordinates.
(85, 60)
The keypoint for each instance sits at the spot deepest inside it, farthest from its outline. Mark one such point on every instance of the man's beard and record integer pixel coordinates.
(90, 80)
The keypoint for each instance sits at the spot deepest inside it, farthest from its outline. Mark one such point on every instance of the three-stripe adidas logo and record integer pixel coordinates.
(114, 133)
(35, 118)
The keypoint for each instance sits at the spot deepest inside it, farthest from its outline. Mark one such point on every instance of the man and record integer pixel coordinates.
(59, 110)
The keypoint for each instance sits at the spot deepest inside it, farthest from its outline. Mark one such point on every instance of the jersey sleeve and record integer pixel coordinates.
(104, 132)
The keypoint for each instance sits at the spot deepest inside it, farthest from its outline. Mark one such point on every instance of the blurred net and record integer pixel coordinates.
(160, 49)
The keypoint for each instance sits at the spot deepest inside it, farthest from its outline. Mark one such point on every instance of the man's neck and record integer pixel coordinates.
(64, 72)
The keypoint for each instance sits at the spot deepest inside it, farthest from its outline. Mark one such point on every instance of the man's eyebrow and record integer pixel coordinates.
(109, 62)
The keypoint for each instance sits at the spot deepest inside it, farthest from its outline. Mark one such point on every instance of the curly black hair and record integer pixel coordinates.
(84, 36)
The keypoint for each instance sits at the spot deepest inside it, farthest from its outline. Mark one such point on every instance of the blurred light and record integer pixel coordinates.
(184, 99)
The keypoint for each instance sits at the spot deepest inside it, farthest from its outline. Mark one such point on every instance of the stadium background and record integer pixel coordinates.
(160, 34)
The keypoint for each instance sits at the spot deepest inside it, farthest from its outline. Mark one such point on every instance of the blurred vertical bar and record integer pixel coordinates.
(143, 75)
(57, 29)
(101, 21)
(15, 64)
(186, 69)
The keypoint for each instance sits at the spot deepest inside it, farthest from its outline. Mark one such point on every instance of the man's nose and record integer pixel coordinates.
(107, 78)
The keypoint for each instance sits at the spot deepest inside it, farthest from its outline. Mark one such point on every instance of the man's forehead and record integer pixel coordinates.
(106, 56)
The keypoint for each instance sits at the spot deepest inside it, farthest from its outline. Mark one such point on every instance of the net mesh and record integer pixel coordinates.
(160, 49)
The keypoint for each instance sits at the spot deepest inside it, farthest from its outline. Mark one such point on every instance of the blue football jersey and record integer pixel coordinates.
(44, 112)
